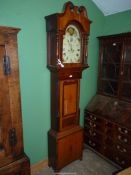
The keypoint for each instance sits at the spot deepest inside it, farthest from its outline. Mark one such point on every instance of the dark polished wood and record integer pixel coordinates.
(107, 121)
(65, 138)
(12, 155)
(115, 66)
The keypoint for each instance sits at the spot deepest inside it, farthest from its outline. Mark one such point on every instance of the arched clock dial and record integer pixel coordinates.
(71, 45)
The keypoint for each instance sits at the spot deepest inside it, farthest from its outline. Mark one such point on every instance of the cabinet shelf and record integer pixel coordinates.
(127, 82)
(126, 63)
(109, 79)
(110, 63)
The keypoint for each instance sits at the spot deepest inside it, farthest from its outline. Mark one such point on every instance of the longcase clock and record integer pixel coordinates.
(67, 36)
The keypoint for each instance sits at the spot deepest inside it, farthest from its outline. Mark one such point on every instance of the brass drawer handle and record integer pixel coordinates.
(125, 131)
(120, 162)
(118, 147)
(123, 162)
(92, 143)
(122, 150)
(123, 140)
(92, 133)
(92, 124)
(92, 117)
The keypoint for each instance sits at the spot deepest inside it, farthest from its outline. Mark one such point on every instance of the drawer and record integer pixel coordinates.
(93, 118)
(109, 153)
(97, 146)
(108, 138)
(99, 124)
(123, 131)
(123, 135)
(122, 149)
(123, 139)
(122, 160)
(100, 127)
(95, 136)
(70, 75)
(89, 116)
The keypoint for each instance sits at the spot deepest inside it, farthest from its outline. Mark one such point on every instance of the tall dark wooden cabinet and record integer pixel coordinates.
(107, 127)
(13, 161)
(67, 35)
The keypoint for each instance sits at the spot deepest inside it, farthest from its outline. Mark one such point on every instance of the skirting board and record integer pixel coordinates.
(39, 166)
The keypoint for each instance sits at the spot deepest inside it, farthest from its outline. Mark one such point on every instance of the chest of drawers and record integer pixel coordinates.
(107, 133)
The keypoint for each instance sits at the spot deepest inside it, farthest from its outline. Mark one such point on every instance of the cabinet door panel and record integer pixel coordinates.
(69, 103)
(70, 148)
(70, 90)
(111, 51)
(126, 83)
(5, 117)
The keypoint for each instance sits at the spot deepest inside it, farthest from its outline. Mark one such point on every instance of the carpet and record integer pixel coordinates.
(92, 164)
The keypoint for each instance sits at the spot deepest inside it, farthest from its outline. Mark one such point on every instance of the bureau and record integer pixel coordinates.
(107, 131)
(107, 118)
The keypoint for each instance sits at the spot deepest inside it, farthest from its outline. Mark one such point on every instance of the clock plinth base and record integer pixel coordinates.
(64, 147)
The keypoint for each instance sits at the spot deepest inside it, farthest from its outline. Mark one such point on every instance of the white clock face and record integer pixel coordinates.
(71, 45)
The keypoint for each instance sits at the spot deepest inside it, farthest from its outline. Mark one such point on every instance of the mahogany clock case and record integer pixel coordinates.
(13, 161)
(57, 26)
(66, 61)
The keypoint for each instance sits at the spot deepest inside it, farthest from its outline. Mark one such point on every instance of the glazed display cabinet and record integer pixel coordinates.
(107, 120)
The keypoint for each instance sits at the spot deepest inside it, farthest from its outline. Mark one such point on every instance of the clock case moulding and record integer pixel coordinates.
(56, 25)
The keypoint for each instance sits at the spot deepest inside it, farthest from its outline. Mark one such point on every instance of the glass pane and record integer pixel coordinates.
(110, 68)
(127, 63)
(109, 87)
(126, 91)
(127, 72)
(128, 54)
(126, 86)
(110, 71)
(112, 53)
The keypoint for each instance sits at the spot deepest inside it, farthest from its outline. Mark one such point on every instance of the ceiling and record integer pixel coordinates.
(109, 7)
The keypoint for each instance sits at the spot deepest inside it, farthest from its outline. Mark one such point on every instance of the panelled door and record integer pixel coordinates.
(5, 117)
(69, 100)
